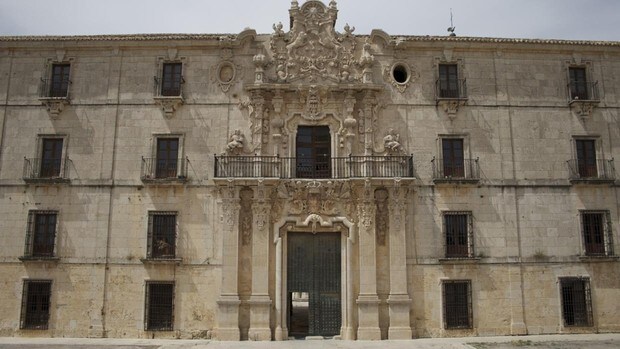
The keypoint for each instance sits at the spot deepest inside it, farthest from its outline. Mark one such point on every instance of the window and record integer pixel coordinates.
(171, 79)
(448, 81)
(36, 304)
(313, 152)
(59, 81)
(159, 306)
(576, 301)
(458, 233)
(167, 157)
(453, 160)
(586, 158)
(51, 157)
(41, 234)
(596, 232)
(161, 235)
(578, 83)
(457, 312)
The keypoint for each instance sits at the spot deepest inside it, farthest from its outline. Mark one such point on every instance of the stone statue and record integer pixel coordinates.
(235, 144)
(391, 142)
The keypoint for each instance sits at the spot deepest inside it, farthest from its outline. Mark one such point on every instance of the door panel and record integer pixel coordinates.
(313, 152)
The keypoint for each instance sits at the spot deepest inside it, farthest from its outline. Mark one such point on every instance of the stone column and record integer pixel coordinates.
(260, 303)
(399, 302)
(228, 303)
(367, 301)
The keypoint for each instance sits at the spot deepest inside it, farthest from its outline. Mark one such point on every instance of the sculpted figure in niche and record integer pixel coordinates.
(391, 142)
(235, 144)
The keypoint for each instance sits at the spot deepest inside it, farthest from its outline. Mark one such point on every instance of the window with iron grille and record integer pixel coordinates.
(36, 297)
(597, 233)
(578, 83)
(576, 301)
(171, 79)
(159, 306)
(41, 234)
(457, 307)
(448, 81)
(458, 234)
(162, 232)
(59, 81)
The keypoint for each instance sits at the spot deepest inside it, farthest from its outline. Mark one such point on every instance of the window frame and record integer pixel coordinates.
(64, 158)
(25, 305)
(181, 170)
(469, 235)
(32, 232)
(151, 236)
(61, 91)
(587, 315)
(606, 230)
(148, 316)
(469, 305)
(161, 79)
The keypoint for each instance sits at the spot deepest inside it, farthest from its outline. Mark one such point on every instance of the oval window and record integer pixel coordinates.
(400, 73)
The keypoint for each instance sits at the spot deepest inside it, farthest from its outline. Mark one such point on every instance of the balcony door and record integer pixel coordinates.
(586, 158)
(167, 157)
(313, 154)
(51, 157)
(453, 161)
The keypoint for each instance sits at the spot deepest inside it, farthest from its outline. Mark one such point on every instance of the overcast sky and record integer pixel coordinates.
(554, 19)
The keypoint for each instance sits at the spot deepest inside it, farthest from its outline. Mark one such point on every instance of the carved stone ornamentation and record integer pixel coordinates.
(313, 51)
(226, 74)
(307, 197)
(391, 143)
(246, 216)
(169, 105)
(236, 143)
(54, 106)
(382, 221)
(583, 109)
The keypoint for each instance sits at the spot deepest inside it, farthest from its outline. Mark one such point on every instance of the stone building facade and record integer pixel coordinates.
(310, 181)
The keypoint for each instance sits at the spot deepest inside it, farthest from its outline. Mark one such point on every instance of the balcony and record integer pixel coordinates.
(331, 168)
(450, 95)
(46, 170)
(596, 171)
(583, 96)
(169, 95)
(54, 95)
(466, 170)
(155, 170)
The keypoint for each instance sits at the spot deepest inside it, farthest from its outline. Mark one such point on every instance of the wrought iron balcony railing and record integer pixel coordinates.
(333, 167)
(455, 169)
(583, 91)
(598, 170)
(453, 89)
(154, 169)
(169, 88)
(38, 169)
(54, 88)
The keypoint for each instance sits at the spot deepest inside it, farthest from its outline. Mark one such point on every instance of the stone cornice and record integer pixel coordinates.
(225, 37)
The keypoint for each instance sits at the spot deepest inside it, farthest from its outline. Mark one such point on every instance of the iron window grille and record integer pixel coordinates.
(57, 85)
(36, 297)
(159, 306)
(457, 304)
(458, 230)
(597, 233)
(162, 235)
(171, 81)
(576, 301)
(41, 234)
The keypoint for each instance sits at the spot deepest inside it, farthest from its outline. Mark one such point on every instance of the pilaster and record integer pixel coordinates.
(367, 301)
(399, 301)
(228, 302)
(260, 302)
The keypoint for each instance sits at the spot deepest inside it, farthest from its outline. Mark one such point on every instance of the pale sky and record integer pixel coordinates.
(548, 19)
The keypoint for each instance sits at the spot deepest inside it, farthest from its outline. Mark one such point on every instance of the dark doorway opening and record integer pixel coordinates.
(313, 284)
(313, 152)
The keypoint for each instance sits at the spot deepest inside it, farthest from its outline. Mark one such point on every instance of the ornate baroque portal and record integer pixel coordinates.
(313, 86)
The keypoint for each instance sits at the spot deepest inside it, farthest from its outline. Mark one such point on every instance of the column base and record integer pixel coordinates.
(279, 334)
(400, 325)
(402, 333)
(260, 307)
(348, 334)
(228, 318)
(368, 317)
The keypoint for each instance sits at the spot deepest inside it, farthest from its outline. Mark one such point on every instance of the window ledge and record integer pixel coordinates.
(51, 180)
(39, 259)
(161, 260)
(591, 180)
(598, 258)
(456, 180)
(459, 260)
(170, 180)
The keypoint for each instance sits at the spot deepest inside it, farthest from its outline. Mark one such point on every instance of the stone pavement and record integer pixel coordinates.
(581, 341)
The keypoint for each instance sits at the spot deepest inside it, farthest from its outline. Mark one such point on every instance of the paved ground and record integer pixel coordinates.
(587, 341)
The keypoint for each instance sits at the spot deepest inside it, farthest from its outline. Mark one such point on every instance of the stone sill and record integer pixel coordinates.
(456, 180)
(463, 260)
(54, 180)
(578, 101)
(598, 259)
(165, 181)
(35, 259)
(161, 260)
(592, 180)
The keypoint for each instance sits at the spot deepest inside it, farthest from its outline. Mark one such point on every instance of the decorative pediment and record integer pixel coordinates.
(314, 52)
